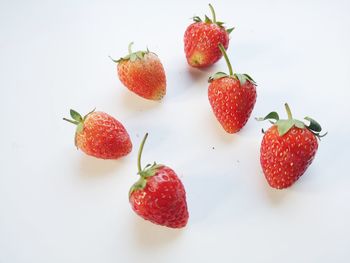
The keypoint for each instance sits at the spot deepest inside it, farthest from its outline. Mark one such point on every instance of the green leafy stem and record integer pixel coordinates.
(284, 125)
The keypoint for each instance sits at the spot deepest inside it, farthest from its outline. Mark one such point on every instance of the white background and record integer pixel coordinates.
(59, 205)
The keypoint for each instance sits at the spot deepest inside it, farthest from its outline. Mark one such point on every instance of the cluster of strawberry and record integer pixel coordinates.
(287, 148)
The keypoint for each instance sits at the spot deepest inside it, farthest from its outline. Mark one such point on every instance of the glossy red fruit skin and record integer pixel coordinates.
(145, 77)
(232, 102)
(163, 200)
(201, 43)
(285, 158)
(103, 137)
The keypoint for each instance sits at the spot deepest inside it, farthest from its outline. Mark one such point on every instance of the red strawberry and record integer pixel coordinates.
(142, 73)
(159, 196)
(288, 148)
(232, 97)
(202, 40)
(99, 134)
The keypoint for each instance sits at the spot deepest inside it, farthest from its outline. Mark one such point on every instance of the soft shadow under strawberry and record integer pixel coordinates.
(200, 74)
(148, 235)
(137, 104)
(92, 167)
(276, 197)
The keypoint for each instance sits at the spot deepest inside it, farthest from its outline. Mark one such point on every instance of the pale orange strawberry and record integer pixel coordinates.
(143, 73)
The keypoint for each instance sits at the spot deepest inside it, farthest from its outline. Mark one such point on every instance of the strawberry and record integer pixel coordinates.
(232, 97)
(100, 135)
(159, 196)
(288, 148)
(142, 73)
(202, 39)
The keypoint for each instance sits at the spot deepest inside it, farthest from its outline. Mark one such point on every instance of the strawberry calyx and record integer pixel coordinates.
(284, 125)
(77, 120)
(242, 78)
(132, 56)
(207, 20)
(148, 171)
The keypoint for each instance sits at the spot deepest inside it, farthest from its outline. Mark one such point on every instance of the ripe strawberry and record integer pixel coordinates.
(232, 97)
(142, 73)
(202, 39)
(159, 196)
(288, 148)
(99, 134)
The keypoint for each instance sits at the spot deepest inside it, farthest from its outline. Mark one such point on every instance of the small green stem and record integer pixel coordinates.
(212, 13)
(74, 122)
(223, 51)
(129, 47)
(140, 153)
(114, 60)
(289, 113)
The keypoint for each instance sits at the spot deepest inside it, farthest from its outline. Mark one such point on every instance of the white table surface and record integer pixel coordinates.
(59, 205)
